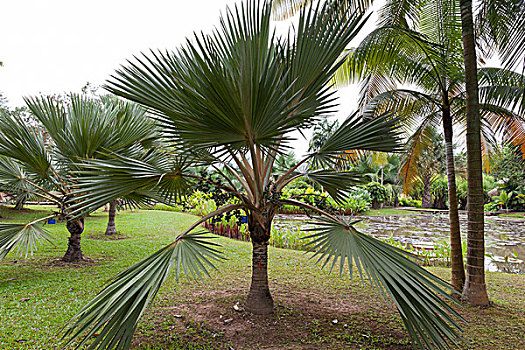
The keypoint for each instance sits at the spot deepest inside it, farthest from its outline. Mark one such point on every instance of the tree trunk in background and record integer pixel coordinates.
(456, 250)
(74, 251)
(111, 228)
(426, 199)
(259, 299)
(475, 290)
(19, 205)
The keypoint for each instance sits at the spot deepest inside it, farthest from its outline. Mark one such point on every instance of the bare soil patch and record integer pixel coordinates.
(302, 320)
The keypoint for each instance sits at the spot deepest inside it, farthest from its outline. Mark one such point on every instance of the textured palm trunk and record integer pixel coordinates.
(259, 299)
(74, 251)
(426, 199)
(19, 205)
(112, 212)
(456, 250)
(475, 290)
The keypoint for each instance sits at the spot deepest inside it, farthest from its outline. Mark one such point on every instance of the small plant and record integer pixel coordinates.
(503, 199)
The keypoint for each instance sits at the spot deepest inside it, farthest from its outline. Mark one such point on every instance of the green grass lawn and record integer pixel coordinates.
(520, 215)
(39, 294)
(389, 212)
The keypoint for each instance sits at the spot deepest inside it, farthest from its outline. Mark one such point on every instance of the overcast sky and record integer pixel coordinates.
(55, 46)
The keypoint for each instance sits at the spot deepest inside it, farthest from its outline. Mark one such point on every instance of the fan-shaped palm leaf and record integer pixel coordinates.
(416, 293)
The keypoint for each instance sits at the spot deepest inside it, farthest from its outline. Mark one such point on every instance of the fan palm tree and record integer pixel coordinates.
(85, 128)
(230, 100)
(111, 228)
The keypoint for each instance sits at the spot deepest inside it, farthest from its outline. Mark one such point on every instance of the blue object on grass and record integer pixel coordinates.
(244, 219)
(51, 221)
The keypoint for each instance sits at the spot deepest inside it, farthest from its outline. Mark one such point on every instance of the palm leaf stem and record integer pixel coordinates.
(52, 197)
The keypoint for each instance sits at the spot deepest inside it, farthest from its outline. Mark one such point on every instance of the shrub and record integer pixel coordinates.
(439, 191)
(409, 202)
(378, 194)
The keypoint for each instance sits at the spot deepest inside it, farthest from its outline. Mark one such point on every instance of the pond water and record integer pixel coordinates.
(504, 237)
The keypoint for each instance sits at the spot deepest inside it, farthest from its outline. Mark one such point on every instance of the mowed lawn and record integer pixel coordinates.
(314, 309)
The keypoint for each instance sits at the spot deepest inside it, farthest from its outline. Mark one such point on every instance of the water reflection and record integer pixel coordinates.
(504, 237)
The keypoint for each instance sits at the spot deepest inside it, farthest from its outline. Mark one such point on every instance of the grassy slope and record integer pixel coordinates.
(308, 299)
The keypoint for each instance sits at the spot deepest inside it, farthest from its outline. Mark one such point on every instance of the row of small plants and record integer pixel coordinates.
(293, 237)
(231, 224)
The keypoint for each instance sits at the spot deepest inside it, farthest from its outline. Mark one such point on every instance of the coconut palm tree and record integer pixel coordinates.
(84, 128)
(425, 53)
(230, 100)
(501, 28)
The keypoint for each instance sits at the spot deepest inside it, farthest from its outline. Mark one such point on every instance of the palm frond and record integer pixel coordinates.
(283, 9)
(420, 141)
(501, 28)
(13, 178)
(156, 174)
(503, 88)
(25, 144)
(23, 237)
(420, 297)
(258, 88)
(336, 183)
(358, 133)
(392, 54)
(114, 313)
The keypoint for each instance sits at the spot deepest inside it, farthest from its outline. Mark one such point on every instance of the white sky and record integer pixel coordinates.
(56, 46)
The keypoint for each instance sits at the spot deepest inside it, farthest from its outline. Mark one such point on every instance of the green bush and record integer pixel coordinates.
(409, 202)
(378, 194)
(439, 192)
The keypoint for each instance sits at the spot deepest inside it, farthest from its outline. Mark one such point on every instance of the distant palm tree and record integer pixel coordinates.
(83, 129)
(427, 144)
(230, 100)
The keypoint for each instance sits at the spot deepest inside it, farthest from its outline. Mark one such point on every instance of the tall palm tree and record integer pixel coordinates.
(427, 56)
(229, 100)
(501, 28)
(419, 43)
(82, 129)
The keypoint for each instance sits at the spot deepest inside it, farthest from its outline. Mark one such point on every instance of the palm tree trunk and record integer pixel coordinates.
(475, 290)
(111, 228)
(19, 205)
(426, 199)
(74, 251)
(259, 299)
(456, 251)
